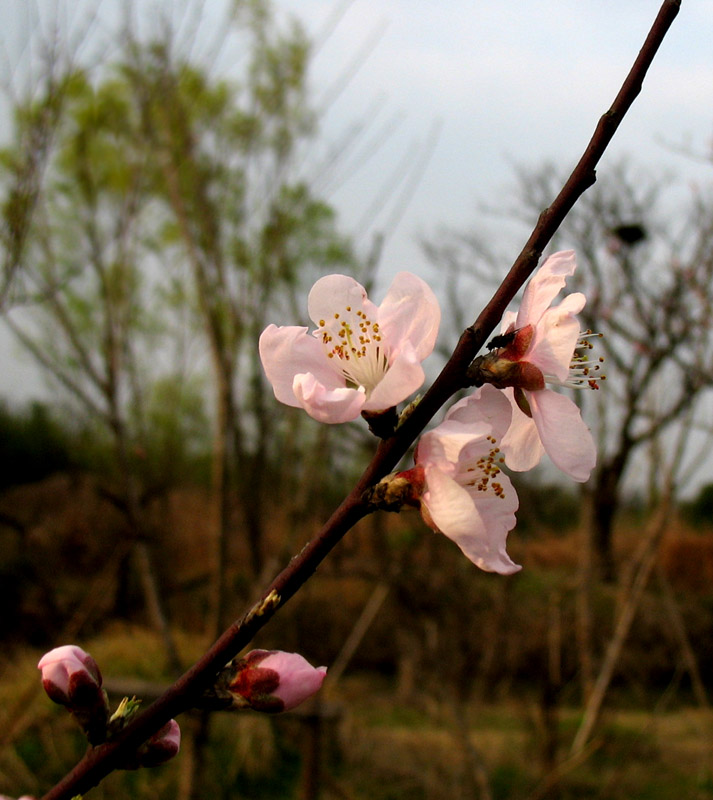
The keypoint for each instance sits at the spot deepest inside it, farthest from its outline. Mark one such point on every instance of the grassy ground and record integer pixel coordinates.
(375, 746)
(398, 753)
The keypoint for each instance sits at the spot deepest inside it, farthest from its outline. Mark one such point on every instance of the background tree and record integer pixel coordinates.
(242, 221)
(172, 209)
(647, 271)
(646, 267)
(86, 317)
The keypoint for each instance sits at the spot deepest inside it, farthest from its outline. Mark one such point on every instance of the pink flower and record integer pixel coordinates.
(162, 746)
(544, 350)
(465, 495)
(361, 357)
(69, 675)
(271, 680)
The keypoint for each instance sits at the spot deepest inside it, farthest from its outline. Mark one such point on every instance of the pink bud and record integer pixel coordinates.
(68, 674)
(272, 680)
(24, 797)
(162, 746)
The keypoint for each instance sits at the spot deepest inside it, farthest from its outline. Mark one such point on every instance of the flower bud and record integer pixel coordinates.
(72, 678)
(24, 797)
(68, 674)
(162, 746)
(274, 681)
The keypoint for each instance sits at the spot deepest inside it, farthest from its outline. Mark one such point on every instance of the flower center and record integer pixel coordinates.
(354, 344)
(482, 474)
(584, 373)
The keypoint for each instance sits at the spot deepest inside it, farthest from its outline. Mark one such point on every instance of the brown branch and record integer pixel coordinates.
(102, 760)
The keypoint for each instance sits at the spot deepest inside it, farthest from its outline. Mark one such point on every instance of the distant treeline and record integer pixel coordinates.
(36, 441)
(33, 444)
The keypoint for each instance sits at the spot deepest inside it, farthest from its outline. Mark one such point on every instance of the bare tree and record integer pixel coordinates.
(646, 267)
(248, 228)
(85, 317)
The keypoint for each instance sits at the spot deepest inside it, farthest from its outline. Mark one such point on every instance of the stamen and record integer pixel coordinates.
(486, 470)
(353, 343)
(583, 373)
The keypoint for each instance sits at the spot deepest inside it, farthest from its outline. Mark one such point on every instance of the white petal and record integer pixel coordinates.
(451, 437)
(485, 405)
(478, 527)
(431, 451)
(333, 294)
(521, 444)
(288, 351)
(564, 435)
(325, 404)
(404, 376)
(544, 286)
(410, 313)
(509, 318)
(555, 339)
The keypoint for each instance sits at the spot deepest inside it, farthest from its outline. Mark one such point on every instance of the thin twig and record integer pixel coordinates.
(102, 760)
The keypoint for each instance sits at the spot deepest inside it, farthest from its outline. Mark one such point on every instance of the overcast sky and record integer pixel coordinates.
(497, 82)
(456, 91)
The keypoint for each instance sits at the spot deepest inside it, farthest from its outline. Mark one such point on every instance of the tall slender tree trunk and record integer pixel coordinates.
(644, 568)
(583, 606)
(606, 499)
(223, 485)
(142, 560)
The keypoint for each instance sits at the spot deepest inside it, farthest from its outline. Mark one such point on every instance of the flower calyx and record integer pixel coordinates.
(397, 490)
(382, 423)
(503, 367)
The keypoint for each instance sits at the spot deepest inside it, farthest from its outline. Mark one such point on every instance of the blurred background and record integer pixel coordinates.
(174, 176)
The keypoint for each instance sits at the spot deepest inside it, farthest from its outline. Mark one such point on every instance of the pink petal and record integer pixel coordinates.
(162, 746)
(544, 286)
(404, 376)
(480, 530)
(443, 445)
(556, 336)
(59, 664)
(327, 405)
(410, 313)
(563, 433)
(509, 318)
(334, 294)
(433, 448)
(289, 351)
(521, 444)
(299, 680)
(487, 404)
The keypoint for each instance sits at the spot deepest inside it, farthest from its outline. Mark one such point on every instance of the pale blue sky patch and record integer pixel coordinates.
(490, 82)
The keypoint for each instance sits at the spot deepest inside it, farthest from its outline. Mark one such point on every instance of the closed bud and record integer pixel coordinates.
(72, 678)
(162, 746)
(272, 680)
(69, 675)
(24, 797)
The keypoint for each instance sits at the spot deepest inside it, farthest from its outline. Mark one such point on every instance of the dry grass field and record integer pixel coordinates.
(444, 697)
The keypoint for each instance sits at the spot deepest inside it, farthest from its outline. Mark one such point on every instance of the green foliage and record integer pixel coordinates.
(177, 431)
(699, 511)
(33, 444)
(551, 506)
